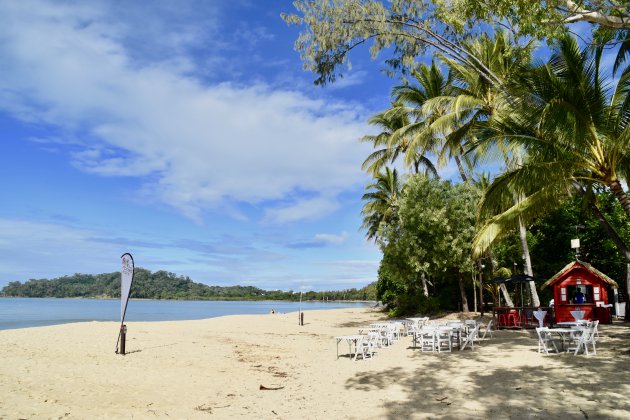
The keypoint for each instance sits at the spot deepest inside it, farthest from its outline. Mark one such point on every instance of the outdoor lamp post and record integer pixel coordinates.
(575, 244)
(482, 266)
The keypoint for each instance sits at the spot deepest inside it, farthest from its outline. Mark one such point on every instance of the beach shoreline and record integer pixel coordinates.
(267, 366)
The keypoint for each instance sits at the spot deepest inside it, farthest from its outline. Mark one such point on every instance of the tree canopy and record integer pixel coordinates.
(429, 242)
(407, 28)
(164, 285)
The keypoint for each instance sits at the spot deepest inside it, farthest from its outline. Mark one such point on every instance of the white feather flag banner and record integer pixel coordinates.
(126, 278)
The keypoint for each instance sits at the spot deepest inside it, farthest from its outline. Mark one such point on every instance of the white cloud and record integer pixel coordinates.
(198, 146)
(35, 250)
(331, 238)
(304, 209)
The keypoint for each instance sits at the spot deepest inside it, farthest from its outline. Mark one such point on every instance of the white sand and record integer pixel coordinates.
(215, 367)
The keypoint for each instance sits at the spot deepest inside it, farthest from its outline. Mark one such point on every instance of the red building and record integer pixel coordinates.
(581, 287)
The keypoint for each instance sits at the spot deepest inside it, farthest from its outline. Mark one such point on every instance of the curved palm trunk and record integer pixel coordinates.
(506, 296)
(528, 262)
(460, 167)
(502, 288)
(621, 246)
(620, 195)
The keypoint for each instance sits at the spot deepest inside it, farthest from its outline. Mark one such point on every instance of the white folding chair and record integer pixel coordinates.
(427, 339)
(444, 339)
(368, 346)
(471, 337)
(595, 330)
(545, 340)
(488, 329)
(582, 341)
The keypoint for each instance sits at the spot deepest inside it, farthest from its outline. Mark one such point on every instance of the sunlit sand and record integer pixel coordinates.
(267, 366)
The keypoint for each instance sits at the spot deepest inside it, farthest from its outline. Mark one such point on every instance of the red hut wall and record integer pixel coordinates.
(563, 292)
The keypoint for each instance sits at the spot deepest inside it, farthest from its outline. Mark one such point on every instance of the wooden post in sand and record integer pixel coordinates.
(300, 314)
(123, 337)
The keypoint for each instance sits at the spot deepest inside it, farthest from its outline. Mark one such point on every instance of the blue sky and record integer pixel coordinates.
(183, 132)
(186, 133)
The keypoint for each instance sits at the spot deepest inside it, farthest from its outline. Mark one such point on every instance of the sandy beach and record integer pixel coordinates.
(216, 367)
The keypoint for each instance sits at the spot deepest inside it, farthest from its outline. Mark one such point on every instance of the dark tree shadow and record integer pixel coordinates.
(477, 384)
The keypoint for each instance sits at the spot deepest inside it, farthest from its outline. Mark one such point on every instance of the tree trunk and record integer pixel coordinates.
(425, 288)
(610, 231)
(502, 288)
(462, 291)
(462, 173)
(480, 288)
(620, 194)
(474, 293)
(528, 263)
(506, 296)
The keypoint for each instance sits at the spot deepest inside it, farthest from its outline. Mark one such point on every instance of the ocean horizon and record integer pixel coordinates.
(38, 312)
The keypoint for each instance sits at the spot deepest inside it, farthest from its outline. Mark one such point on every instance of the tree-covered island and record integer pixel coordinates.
(164, 285)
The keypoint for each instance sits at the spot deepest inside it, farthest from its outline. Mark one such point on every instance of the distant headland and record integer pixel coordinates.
(165, 285)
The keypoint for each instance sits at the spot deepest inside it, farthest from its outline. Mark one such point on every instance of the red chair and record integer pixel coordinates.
(514, 318)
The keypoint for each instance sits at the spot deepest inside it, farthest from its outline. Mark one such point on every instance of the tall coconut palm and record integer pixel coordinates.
(473, 101)
(575, 131)
(446, 109)
(381, 205)
(430, 85)
(391, 143)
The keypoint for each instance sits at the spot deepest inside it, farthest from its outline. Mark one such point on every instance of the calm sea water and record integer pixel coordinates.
(35, 312)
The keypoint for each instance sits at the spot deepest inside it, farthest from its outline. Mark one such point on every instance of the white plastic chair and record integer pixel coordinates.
(427, 339)
(545, 340)
(595, 330)
(368, 346)
(444, 337)
(392, 332)
(471, 337)
(582, 341)
(489, 329)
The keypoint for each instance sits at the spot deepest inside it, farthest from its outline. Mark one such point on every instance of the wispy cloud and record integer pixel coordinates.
(321, 240)
(197, 146)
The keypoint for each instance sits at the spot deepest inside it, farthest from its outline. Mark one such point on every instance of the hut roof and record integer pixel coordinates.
(585, 265)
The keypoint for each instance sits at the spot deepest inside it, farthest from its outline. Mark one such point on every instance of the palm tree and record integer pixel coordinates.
(391, 144)
(446, 110)
(382, 202)
(426, 128)
(575, 131)
(474, 101)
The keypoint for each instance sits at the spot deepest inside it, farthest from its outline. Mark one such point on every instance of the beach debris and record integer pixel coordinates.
(585, 413)
(208, 408)
(266, 388)
(204, 407)
(441, 399)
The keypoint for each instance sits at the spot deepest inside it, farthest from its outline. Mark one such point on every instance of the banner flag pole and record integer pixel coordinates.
(126, 279)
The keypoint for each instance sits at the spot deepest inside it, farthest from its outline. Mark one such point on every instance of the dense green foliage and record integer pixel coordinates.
(164, 285)
(404, 30)
(559, 130)
(429, 242)
(550, 239)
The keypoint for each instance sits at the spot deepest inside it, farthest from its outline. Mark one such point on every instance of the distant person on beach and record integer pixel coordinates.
(273, 311)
